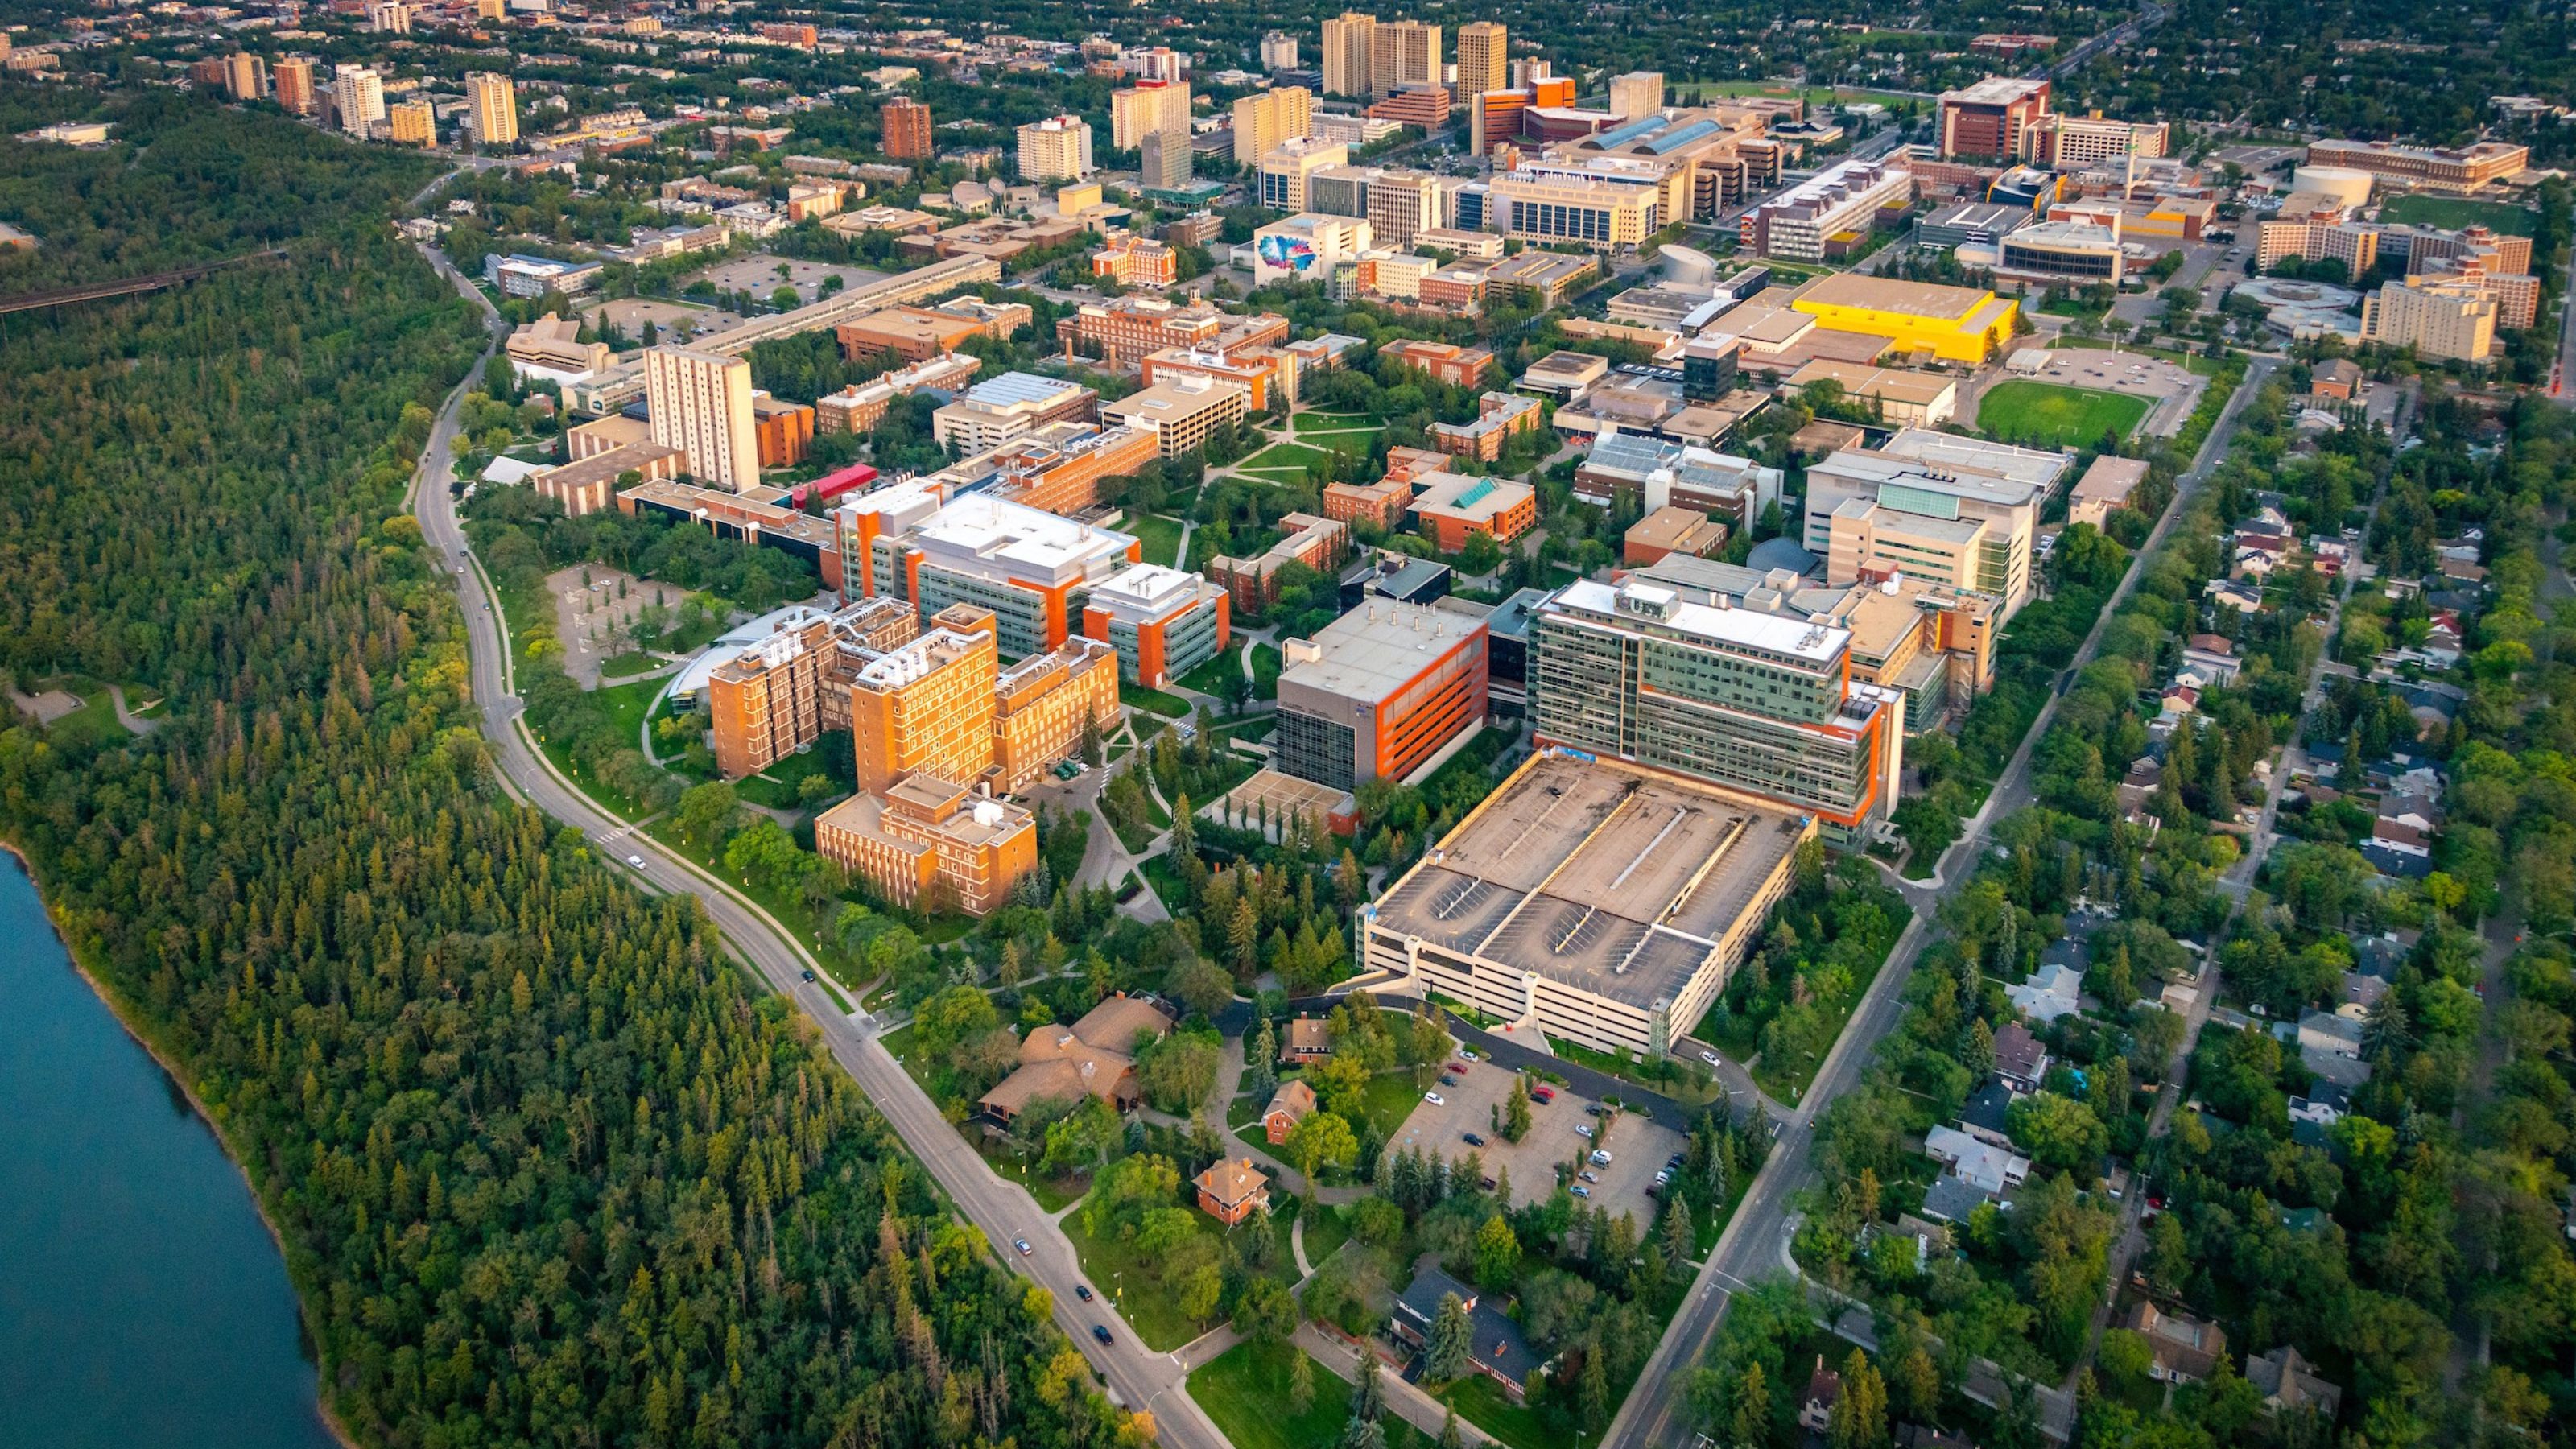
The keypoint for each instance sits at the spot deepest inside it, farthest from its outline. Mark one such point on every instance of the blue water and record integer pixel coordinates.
(142, 1304)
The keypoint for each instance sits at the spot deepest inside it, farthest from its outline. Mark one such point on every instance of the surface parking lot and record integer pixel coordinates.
(1637, 1146)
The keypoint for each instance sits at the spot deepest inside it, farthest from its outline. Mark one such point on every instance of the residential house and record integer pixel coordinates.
(1824, 1390)
(1096, 1054)
(2019, 1058)
(1948, 1200)
(2210, 660)
(2287, 1380)
(1308, 1039)
(1293, 1103)
(1232, 1190)
(1990, 1169)
(2185, 1349)
(1987, 1114)
(2051, 992)
(1496, 1347)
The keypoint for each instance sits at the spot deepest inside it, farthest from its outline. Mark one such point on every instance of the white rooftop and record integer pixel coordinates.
(1799, 639)
(1025, 539)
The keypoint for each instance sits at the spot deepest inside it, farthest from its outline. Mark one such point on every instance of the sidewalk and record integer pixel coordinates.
(1419, 1409)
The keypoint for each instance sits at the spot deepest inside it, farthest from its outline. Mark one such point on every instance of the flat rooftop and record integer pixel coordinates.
(1601, 876)
(1885, 294)
(1376, 649)
(1812, 644)
(986, 527)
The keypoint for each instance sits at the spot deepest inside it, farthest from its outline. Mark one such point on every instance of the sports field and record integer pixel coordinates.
(2047, 415)
(2454, 213)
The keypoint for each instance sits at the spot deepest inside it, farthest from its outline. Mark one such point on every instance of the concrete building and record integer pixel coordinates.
(1378, 692)
(2109, 485)
(1404, 53)
(1637, 94)
(1278, 52)
(358, 98)
(1599, 902)
(1946, 510)
(1988, 120)
(1028, 567)
(994, 412)
(2449, 318)
(246, 76)
(906, 124)
(1162, 621)
(413, 123)
(1607, 204)
(701, 403)
(1627, 471)
(1305, 540)
(1907, 399)
(1453, 508)
(1828, 213)
(1753, 701)
(1057, 148)
(1265, 122)
(491, 109)
(917, 334)
(1146, 108)
(1484, 57)
(1402, 205)
(550, 347)
(1266, 374)
(1954, 324)
(1181, 413)
(2440, 168)
(1287, 167)
(293, 78)
(1348, 48)
(389, 17)
(859, 407)
(1305, 247)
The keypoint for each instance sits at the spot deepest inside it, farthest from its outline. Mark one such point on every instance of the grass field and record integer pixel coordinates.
(1291, 457)
(1245, 1390)
(1161, 536)
(2045, 414)
(1305, 423)
(1170, 706)
(1481, 1403)
(2454, 213)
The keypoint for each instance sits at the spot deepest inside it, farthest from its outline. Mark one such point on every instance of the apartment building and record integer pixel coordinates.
(905, 124)
(1499, 415)
(994, 412)
(1349, 48)
(701, 403)
(1444, 362)
(246, 76)
(358, 98)
(390, 17)
(1404, 53)
(1149, 107)
(413, 123)
(1182, 412)
(1265, 122)
(1286, 169)
(1252, 584)
(1827, 214)
(1057, 148)
(1042, 704)
(491, 109)
(2072, 143)
(1378, 692)
(293, 78)
(1604, 902)
(1402, 205)
(1484, 58)
(1163, 622)
(1025, 565)
(859, 407)
(2440, 168)
(1278, 51)
(766, 703)
(1749, 700)
(2449, 317)
(1988, 120)
(1952, 511)
(1122, 331)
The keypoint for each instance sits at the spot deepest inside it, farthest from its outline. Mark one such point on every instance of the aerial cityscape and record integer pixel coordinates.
(1693, 727)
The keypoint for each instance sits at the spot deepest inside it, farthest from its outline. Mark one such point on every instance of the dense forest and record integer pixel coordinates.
(546, 1167)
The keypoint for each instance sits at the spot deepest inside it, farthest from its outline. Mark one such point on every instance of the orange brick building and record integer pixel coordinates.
(1260, 375)
(1134, 261)
(1454, 507)
(1377, 692)
(1122, 330)
(1039, 706)
(907, 129)
(1252, 584)
(919, 333)
(1424, 106)
(1060, 467)
(1382, 503)
(928, 706)
(1442, 361)
(785, 430)
(1233, 1190)
(1499, 416)
(930, 840)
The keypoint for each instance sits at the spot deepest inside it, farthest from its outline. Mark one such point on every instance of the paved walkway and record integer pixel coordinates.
(1419, 1409)
(128, 718)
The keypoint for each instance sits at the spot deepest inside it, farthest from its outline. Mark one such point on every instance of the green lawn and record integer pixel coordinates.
(1284, 457)
(1479, 1401)
(1149, 1306)
(1170, 706)
(2045, 414)
(1161, 536)
(1337, 423)
(1326, 1231)
(1211, 675)
(628, 665)
(1267, 665)
(2454, 213)
(1245, 1390)
(1391, 1098)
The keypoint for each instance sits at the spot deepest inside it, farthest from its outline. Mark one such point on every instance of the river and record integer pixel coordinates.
(141, 1301)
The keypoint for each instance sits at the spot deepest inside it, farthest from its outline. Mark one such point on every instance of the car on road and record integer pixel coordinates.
(1100, 1331)
(1582, 1129)
(1023, 1245)
(1711, 1059)
(636, 861)
(808, 975)
(1581, 1191)
(1471, 1139)
(1082, 1291)
(1435, 1099)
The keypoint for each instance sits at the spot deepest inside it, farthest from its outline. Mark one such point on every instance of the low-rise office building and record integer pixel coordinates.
(859, 407)
(1499, 415)
(1952, 511)
(994, 412)
(1599, 902)
(1253, 583)
(1453, 507)
(1377, 693)
(1828, 214)
(929, 843)
(1183, 413)
(1442, 361)
(1906, 399)
(1163, 621)
(1625, 471)
(1954, 324)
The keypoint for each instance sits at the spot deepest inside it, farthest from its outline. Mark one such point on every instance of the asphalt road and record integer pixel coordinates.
(1754, 1243)
(1137, 1378)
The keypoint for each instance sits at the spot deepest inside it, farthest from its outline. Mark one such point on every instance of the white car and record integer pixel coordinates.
(636, 861)
(1435, 1099)
(1582, 1129)
(1468, 1054)
(1601, 1158)
(1711, 1059)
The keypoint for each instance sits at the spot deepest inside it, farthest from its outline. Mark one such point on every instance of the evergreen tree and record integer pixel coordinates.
(1301, 1383)
(1451, 1436)
(1452, 1339)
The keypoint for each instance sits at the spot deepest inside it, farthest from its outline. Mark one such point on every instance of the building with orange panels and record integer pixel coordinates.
(1377, 692)
(1454, 508)
(1163, 621)
(1059, 468)
(781, 691)
(916, 334)
(788, 32)
(1442, 361)
(1263, 374)
(785, 430)
(928, 705)
(1252, 584)
(1132, 261)
(1424, 106)
(907, 129)
(1500, 415)
(1382, 503)
(1233, 1190)
(1023, 564)
(1041, 704)
(931, 843)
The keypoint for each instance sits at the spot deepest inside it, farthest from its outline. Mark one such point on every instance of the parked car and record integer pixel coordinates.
(1591, 1109)
(1100, 1332)
(1082, 1291)
(1588, 1175)
(1023, 1245)
(1542, 1095)
(808, 975)
(1581, 1191)
(1435, 1099)
(1458, 1067)
(1470, 1054)
(1472, 1139)
(1582, 1129)
(1601, 1157)
(1711, 1059)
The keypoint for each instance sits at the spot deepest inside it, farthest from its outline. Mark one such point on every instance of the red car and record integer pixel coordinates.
(1542, 1095)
